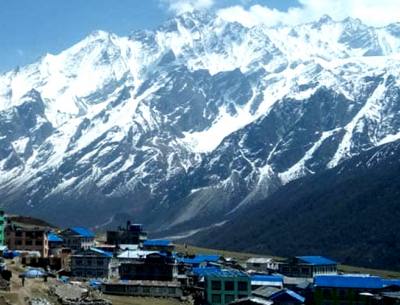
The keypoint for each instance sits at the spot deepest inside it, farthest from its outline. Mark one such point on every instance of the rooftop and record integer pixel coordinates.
(216, 272)
(316, 260)
(259, 260)
(198, 259)
(289, 292)
(349, 281)
(84, 232)
(266, 280)
(101, 252)
(157, 243)
(53, 237)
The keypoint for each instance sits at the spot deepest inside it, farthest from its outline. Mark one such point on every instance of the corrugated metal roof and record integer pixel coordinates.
(198, 259)
(84, 232)
(259, 260)
(157, 242)
(215, 272)
(135, 254)
(267, 278)
(316, 260)
(391, 282)
(346, 281)
(202, 271)
(288, 292)
(53, 237)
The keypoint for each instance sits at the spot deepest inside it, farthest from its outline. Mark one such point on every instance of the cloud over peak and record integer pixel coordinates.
(372, 12)
(183, 6)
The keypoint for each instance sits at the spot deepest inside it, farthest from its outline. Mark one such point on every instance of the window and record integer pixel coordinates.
(38, 242)
(342, 293)
(28, 242)
(327, 293)
(216, 299)
(216, 285)
(146, 289)
(229, 298)
(242, 286)
(18, 234)
(171, 290)
(18, 242)
(229, 286)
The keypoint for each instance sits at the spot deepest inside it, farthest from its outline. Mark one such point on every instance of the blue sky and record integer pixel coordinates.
(29, 29)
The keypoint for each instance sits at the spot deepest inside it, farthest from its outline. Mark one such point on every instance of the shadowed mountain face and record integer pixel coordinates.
(180, 126)
(350, 212)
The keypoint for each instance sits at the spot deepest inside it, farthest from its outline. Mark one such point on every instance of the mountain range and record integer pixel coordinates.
(182, 126)
(349, 212)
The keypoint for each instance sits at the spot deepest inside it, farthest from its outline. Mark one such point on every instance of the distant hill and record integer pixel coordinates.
(350, 213)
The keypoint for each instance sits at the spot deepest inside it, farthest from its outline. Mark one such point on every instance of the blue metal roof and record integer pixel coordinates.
(288, 292)
(84, 232)
(54, 238)
(101, 252)
(198, 259)
(202, 271)
(316, 260)
(157, 243)
(267, 278)
(348, 281)
(391, 282)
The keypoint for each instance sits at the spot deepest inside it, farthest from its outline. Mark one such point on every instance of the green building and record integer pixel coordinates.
(224, 286)
(2, 226)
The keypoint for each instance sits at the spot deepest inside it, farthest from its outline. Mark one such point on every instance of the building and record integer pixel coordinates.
(346, 289)
(55, 243)
(93, 263)
(161, 245)
(307, 266)
(261, 264)
(2, 228)
(225, 286)
(144, 289)
(154, 267)
(27, 238)
(132, 234)
(78, 238)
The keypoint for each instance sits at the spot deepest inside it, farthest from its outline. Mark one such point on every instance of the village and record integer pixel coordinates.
(44, 265)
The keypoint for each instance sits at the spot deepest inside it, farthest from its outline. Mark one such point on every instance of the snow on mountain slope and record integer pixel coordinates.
(183, 124)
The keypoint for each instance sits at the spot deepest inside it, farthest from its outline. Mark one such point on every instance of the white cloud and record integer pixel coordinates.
(183, 6)
(373, 12)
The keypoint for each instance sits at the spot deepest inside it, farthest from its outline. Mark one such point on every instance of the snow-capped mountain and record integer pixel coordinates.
(179, 126)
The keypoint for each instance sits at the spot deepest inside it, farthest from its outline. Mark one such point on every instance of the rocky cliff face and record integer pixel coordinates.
(179, 126)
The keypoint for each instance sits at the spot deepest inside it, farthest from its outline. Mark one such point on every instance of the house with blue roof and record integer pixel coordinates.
(348, 289)
(94, 263)
(55, 242)
(199, 260)
(307, 266)
(78, 238)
